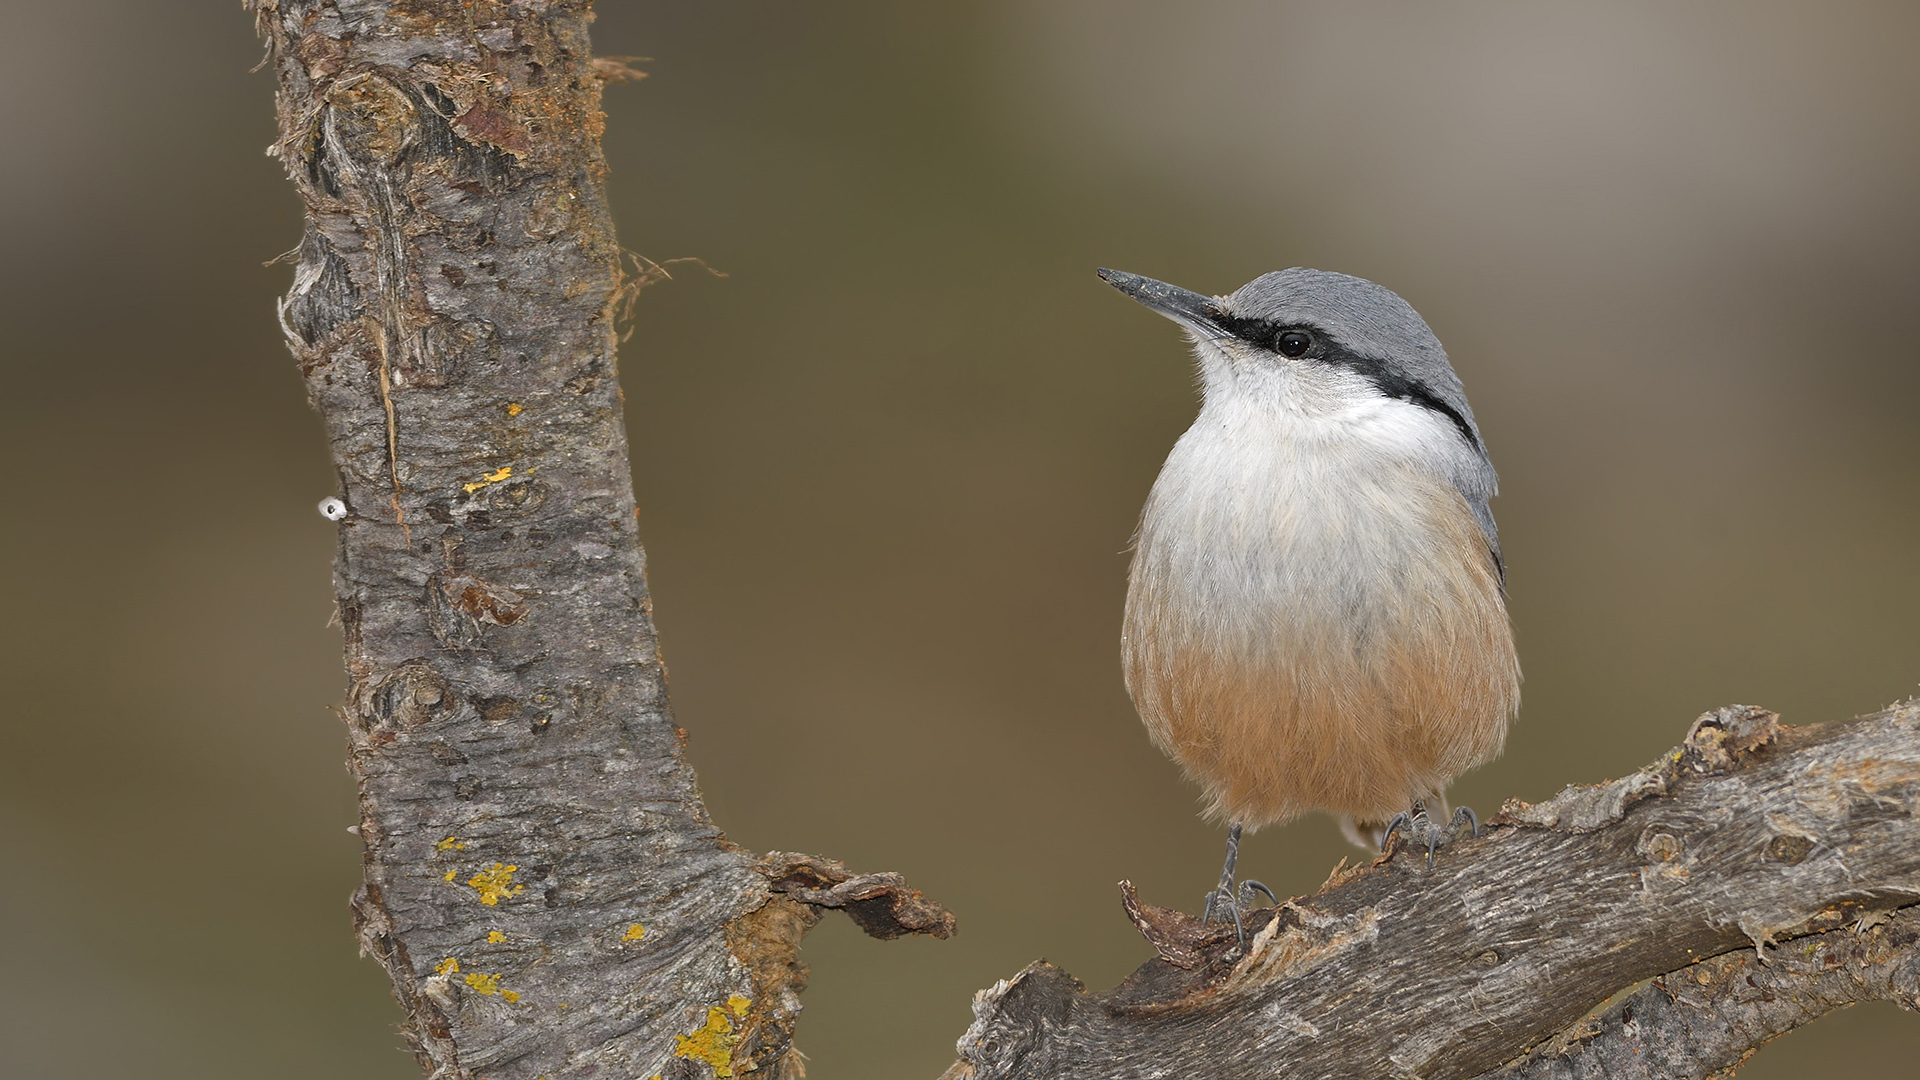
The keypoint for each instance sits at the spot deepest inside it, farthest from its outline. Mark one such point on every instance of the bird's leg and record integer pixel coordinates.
(1226, 898)
(1416, 825)
(1224, 894)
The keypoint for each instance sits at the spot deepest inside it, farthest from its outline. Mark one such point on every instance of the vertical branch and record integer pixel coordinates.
(543, 884)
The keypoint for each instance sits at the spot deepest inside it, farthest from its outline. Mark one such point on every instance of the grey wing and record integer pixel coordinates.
(1468, 467)
(1473, 476)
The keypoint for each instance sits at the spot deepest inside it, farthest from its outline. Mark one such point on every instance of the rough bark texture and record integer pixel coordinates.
(1705, 1019)
(543, 884)
(1752, 837)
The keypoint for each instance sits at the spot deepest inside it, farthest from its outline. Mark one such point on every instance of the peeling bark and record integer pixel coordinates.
(1750, 847)
(543, 884)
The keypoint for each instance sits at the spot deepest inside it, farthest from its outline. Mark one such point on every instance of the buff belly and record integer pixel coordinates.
(1343, 645)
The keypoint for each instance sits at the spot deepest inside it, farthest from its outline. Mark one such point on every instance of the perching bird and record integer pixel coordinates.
(1316, 613)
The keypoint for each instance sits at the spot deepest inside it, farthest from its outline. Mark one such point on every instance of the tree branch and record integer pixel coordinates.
(1710, 1017)
(1751, 833)
(543, 884)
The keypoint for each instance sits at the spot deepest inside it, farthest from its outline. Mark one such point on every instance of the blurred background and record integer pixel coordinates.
(888, 466)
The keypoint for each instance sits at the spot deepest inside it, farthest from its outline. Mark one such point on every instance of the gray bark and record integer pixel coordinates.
(1789, 845)
(543, 884)
(1708, 1018)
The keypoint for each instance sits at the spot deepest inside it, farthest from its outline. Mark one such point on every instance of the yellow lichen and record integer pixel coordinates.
(739, 1004)
(634, 933)
(493, 477)
(449, 966)
(495, 937)
(449, 876)
(495, 884)
(514, 408)
(713, 1041)
(452, 843)
(488, 985)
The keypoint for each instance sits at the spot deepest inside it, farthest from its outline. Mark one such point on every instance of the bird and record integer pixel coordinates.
(1316, 609)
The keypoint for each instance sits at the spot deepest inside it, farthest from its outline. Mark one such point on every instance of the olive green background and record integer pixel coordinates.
(888, 466)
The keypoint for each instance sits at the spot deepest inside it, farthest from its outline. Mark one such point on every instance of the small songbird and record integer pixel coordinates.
(1316, 612)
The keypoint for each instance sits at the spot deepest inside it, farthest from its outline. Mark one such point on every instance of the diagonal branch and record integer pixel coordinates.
(1709, 1017)
(1750, 834)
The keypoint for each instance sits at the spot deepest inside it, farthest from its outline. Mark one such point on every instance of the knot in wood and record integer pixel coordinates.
(370, 117)
(409, 696)
(1791, 850)
(1659, 844)
(518, 497)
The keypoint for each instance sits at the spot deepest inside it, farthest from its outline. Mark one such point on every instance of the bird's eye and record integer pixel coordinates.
(1293, 343)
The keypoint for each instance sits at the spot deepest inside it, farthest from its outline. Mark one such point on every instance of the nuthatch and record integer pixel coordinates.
(1316, 613)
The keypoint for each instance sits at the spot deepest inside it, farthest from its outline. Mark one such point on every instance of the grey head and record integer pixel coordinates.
(1320, 317)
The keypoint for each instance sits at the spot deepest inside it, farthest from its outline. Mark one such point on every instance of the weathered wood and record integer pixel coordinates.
(1749, 834)
(543, 884)
(1708, 1017)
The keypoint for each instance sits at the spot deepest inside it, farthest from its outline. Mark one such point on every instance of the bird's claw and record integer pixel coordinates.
(1231, 902)
(1414, 824)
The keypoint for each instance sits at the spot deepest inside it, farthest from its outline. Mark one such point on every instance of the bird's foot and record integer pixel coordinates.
(1414, 824)
(1231, 903)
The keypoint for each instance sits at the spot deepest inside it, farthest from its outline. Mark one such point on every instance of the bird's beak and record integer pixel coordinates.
(1199, 314)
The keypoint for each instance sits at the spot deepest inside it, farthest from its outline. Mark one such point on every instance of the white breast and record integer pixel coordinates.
(1261, 515)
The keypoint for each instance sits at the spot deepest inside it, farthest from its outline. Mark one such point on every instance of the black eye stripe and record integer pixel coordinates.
(1398, 386)
(1252, 331)
(1387, 379)
(1287, 339)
